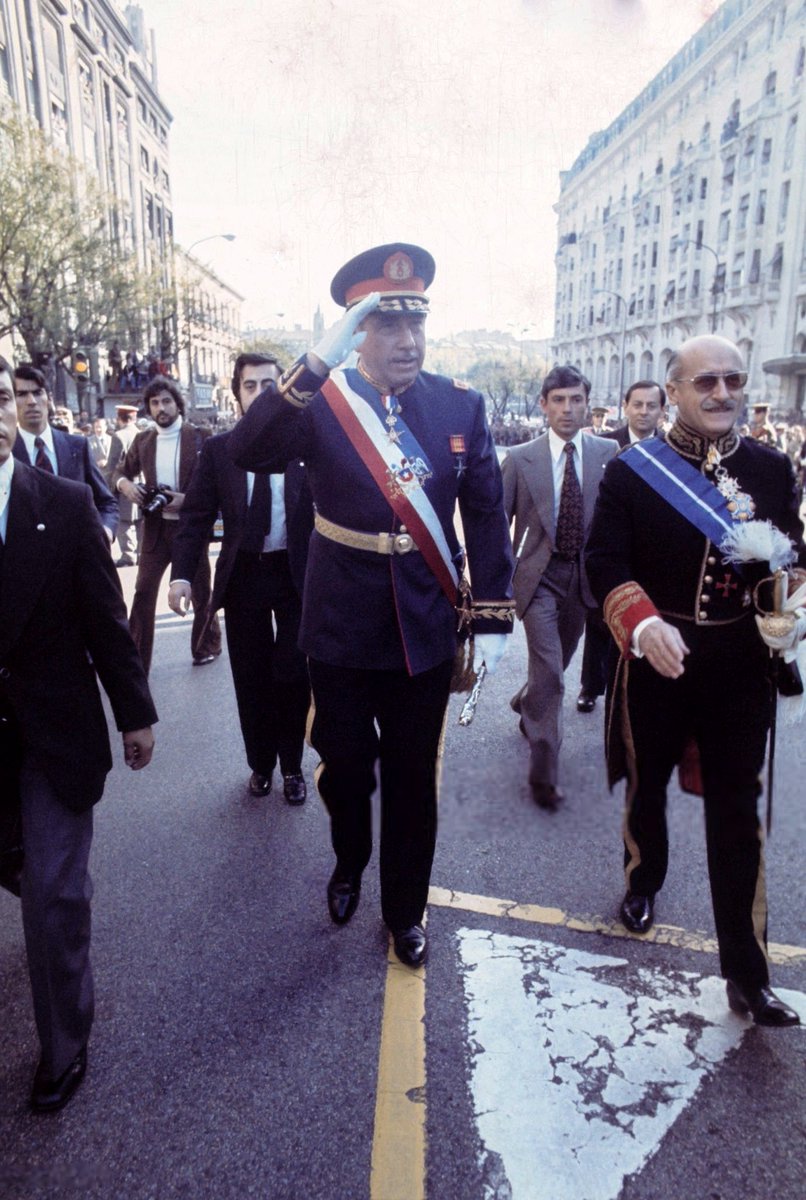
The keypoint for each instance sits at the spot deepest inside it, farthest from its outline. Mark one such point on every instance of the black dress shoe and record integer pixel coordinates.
(411, 945)
(259, 785)
(637, 912)
(547, 796)
(585, 702)
(765, 1007)
(49, 1095)
(201, 660)
(343, 894)
(294, 789)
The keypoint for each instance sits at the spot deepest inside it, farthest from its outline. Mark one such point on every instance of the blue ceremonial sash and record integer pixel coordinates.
(682, 486)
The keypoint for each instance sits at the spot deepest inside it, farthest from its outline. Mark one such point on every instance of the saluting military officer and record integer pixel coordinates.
(389, 450)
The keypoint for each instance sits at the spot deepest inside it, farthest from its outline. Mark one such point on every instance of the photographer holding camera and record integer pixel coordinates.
(166, 457)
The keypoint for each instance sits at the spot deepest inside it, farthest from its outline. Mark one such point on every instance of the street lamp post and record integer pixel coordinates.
(623, 303)
(710, 249)
(228, 237)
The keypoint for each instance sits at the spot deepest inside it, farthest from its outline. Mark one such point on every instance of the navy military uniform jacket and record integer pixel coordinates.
(360, 608)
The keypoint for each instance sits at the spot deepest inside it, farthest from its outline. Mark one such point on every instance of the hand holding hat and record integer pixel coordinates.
(342, 338)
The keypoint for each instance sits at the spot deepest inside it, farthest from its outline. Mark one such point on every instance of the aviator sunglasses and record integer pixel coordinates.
(734, 381)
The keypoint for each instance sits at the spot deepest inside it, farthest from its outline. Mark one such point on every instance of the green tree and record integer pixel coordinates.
(509, 386)
(65, 282)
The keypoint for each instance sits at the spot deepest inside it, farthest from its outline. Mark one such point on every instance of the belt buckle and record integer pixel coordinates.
(403, 543)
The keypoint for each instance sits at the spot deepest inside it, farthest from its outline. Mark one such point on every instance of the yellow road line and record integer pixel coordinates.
(666, 935)
(398, 1145)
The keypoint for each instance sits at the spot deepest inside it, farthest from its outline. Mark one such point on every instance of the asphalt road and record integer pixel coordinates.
(239, 1034)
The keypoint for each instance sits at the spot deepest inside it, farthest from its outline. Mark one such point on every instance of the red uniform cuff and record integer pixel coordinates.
(624, 608)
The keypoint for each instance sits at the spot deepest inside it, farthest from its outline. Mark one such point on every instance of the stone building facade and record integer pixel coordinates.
(687, 213)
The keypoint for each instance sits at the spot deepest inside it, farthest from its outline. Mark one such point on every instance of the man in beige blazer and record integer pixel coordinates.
(550, 487)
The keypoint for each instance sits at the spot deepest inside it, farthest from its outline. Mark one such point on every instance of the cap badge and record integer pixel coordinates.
(398, 267)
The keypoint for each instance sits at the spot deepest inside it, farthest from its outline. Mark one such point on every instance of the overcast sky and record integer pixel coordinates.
(313, 129)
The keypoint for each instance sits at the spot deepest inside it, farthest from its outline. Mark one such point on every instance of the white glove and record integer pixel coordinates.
(341, 338)
(787, 641)
(488, 649)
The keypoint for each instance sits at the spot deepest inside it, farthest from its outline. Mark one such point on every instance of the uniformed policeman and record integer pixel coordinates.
(389, 450)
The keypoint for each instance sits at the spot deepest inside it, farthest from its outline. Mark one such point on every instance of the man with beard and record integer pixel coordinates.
(166, 457)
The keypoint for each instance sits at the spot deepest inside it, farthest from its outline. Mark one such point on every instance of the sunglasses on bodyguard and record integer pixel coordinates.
(734, 381)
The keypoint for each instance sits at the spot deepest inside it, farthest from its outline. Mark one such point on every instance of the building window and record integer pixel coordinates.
(742, 215)
(761, 207)
(800, 62)
(755, 267)
(144, 158)
(766, 154)
(703, 187)
(777, 264)
(695, 285)
(770, 83)
(789, 142)
(783, 205)
(738, 270)
(724, 226)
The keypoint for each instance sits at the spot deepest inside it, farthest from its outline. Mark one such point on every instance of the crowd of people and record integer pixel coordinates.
(351, 605)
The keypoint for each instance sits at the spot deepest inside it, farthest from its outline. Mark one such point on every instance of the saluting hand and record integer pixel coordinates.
(342, 338)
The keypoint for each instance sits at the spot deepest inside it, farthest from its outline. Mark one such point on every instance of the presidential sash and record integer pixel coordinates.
(399, 466)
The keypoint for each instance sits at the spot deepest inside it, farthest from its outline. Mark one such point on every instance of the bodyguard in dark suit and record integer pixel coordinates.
(389, 450)
(259, 580)
(165, 457)
(65, 454)
(62, 626)
(643, 407)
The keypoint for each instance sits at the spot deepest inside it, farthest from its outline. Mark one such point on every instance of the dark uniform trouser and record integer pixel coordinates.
(55, 893)
(410, 712)
(269, 671)
(205, 638)
(722, 700)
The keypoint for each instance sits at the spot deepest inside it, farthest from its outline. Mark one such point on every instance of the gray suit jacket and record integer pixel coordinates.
(529, 499)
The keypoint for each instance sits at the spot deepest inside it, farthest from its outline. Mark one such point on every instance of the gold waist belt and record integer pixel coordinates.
(379, 543)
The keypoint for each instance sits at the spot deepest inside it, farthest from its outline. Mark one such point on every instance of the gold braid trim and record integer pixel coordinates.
(494, 610)
(624, 608)
(300, 397)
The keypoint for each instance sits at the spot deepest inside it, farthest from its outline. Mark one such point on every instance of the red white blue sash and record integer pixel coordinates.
(682, 486)
(390, 465)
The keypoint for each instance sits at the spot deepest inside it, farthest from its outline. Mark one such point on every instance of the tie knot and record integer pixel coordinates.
(569, 448)
(39, 442)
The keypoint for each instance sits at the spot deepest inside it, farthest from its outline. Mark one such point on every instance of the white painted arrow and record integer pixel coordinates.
(581, 1062)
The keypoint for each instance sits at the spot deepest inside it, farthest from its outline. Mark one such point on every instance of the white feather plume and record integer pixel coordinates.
(758, 541)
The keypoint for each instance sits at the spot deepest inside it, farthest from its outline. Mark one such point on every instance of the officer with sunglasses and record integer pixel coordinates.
(691, 688)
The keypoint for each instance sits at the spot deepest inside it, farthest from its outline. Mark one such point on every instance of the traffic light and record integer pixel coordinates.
(80, 366)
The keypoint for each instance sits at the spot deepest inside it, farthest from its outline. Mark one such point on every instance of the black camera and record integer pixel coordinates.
(156, 499)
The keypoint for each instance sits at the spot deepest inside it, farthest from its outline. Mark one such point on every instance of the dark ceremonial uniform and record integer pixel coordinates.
(644, 557)
(378, 629)
(256, 590)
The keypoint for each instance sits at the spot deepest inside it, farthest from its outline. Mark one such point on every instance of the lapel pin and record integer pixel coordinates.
(40, 528)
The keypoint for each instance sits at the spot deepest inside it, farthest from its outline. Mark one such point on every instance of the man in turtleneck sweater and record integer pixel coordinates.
(692, 683)
(166, 457)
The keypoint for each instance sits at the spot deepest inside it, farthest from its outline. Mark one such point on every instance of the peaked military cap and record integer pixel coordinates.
(399, 271)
